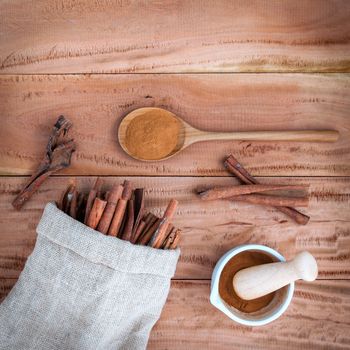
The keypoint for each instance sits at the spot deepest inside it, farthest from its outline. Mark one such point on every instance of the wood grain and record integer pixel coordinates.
(66, 36)
(29, 105)
(316, 319)
(209, 228)
(59, 37)
(6, 284)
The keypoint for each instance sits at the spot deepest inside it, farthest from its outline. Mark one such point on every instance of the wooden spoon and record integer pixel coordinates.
(257, 281)
(187, 134)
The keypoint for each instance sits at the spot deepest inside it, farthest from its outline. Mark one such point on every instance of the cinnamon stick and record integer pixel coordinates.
(96, 212)
(127, 231)
(120, 210)
(170, 209)
(58, 156)
(230, 191)
(64, 202)
(138, 231)
(169, 239)
(92, 195)
(158, 237)
(144, 239)
(139, 208)
(149, 221)
(167, 235)
(113, 197)
(235, 168)
(176, 240)
(74, 205)
(273, 201)
(173, 239)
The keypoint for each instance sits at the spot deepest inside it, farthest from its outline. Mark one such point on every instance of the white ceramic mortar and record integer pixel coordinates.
(266, 315)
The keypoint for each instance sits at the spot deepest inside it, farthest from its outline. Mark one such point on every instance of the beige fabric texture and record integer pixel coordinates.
(83, 290)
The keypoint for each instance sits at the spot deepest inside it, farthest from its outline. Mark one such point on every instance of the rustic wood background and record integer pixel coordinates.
(221, 65)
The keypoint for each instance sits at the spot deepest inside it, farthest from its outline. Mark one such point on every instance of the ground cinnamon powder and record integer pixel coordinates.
(226, 291)
(152, 136)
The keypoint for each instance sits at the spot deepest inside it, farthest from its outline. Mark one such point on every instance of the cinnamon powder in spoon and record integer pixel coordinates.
(226, 291)
(152, 136)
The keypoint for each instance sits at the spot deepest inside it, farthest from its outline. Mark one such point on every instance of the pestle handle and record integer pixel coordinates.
(256, 281)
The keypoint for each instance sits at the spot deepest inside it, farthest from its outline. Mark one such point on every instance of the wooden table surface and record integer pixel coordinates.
(220, 65)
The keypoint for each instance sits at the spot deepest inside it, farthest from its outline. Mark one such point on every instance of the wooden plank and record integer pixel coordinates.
(316, 319)
(66, 36)
(237, 102)
(209, 228)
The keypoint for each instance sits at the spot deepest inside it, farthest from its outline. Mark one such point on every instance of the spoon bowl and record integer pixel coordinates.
(180, 143)
(186, 134)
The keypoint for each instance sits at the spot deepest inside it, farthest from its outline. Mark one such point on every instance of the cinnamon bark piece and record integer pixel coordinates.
(235, 168)
(96, 212)
(113, 197)
(121, 228)
(118, 216)
(230, 191)
(74, 205)
(144, 239)
(139, 195)
(138, 231)
(176, 240)
(92, 195)
(272, 201)
(64, 202)
(169, 239)
(168, 236)
(158, 237)
(173, 239)
(129, 223)
(58, 156)
(149, 221)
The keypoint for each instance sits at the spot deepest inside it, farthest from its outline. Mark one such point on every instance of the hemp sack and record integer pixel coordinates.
(83, 290)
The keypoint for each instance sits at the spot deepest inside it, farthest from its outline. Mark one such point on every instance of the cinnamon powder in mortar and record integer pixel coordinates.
(226, 291)
(152, 136)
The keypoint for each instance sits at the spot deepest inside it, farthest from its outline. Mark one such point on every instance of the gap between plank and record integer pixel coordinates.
(188, 176)
(174, 73)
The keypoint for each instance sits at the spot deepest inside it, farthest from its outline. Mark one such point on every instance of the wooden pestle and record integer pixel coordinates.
(257, 281)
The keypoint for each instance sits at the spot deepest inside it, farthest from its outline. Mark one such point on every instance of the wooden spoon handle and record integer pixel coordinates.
(299, 135)
(256, 281)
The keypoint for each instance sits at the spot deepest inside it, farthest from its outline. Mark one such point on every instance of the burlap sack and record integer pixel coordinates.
(83, 290)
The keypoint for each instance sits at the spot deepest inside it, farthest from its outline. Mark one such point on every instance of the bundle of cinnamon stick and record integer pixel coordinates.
(120, 213)
(253, 192)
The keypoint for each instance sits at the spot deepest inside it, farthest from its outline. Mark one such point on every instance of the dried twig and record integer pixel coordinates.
(58, 156)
